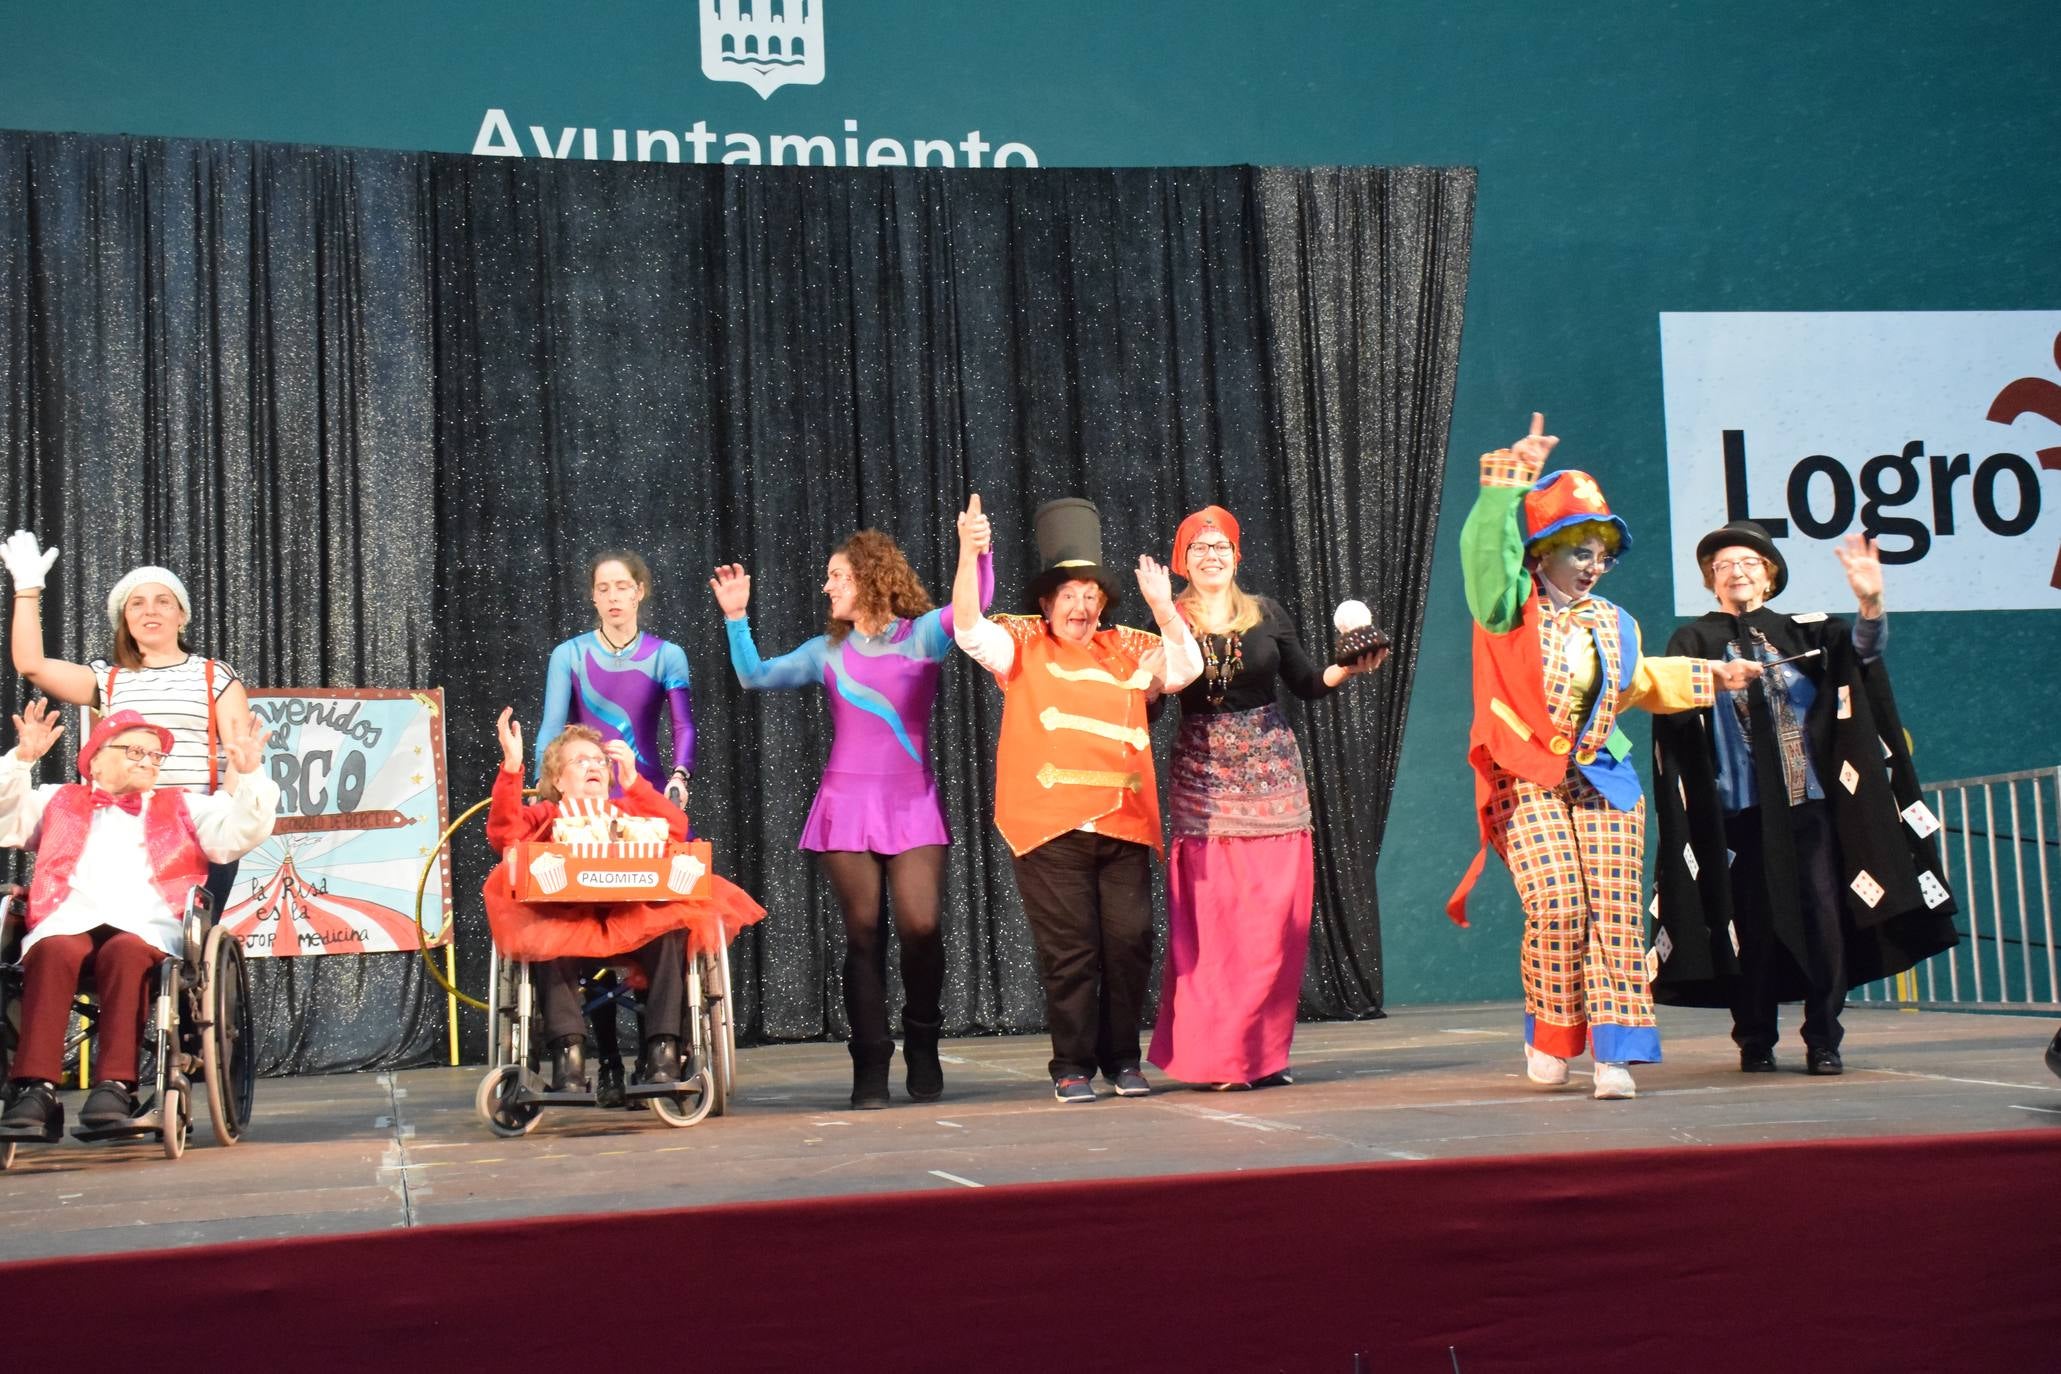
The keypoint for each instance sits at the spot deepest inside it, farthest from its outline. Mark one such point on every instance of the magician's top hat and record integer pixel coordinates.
(1069, 535)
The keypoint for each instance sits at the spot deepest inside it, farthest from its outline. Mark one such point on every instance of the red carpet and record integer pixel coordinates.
(1908, 1253)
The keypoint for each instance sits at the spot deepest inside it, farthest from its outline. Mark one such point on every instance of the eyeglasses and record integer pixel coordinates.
(1745, 565)
(136, 753)
(1587, 559)
(1202, 548)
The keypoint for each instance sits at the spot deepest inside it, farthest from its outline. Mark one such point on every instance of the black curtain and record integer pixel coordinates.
(456, 378)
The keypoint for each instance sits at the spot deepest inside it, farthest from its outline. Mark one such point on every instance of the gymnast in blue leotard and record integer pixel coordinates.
(616, 678)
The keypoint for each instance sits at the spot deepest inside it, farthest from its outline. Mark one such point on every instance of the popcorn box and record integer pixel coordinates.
(612, 871)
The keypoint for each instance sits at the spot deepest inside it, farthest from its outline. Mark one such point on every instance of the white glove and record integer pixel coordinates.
(27, 562)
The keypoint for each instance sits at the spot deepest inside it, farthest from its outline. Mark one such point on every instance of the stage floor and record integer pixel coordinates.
(374, 1152)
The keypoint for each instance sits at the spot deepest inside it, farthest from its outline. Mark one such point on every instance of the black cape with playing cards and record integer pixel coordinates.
(1852, 721)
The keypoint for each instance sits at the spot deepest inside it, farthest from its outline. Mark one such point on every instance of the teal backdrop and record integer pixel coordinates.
(1634, 158)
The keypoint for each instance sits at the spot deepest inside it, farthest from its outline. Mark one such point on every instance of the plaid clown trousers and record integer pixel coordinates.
(1579, 866)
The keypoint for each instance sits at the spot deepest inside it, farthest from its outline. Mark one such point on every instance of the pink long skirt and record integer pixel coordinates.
(1238, 930)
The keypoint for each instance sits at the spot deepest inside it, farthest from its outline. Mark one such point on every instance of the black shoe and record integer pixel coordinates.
(2054, 1055)
(1128, 1082)
(1284, 1078)
(33, 1112)
(1756, 1061)
(661, 1061)
(869, 1076)
(1823, 1063)
(109, 1104)
(925, 1075)
(608, 1091)
(569, 1065)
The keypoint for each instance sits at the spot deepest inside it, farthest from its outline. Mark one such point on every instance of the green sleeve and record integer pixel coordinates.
(1492, 559)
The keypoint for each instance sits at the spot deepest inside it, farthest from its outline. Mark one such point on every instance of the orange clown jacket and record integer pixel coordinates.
(1076, 748)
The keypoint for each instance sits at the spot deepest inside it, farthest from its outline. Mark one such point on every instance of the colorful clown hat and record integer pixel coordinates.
(1568, 497)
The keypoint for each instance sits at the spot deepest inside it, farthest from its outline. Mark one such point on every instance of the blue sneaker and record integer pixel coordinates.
(1128, 1082)
(1073, 1088)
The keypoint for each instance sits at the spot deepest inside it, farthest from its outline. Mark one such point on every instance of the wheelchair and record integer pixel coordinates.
(198, 1027)
(516, 1091)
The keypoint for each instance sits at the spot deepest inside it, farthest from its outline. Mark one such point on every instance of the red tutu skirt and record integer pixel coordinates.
(536, 931)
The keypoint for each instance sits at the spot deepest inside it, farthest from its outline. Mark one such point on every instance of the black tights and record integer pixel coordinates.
(914, 878)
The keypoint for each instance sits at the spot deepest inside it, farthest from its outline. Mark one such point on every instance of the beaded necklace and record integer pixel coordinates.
(1218, 668)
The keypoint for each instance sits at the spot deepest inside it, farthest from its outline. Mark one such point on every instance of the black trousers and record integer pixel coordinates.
(1765, 963)
(1089, 901)
(664, 963)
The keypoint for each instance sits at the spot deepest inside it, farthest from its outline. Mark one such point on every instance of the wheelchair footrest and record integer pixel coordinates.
(638, 1091)
(151, 1122)
(546, 1098)
(34, 1135)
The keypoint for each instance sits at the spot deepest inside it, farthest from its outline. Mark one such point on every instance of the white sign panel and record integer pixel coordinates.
(1938, 432)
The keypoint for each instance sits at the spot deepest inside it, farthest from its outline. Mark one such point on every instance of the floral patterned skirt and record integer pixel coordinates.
(1237, 773)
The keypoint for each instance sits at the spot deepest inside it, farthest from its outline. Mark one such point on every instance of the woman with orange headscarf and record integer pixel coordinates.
(1240, 877)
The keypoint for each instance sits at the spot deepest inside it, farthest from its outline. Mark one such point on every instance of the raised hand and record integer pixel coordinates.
(27, 563)
(732, 586)
(1155, 586)
(976, 535)
(1535, 447)
(1733, 674)
(243, 739)
(509, 732)
(624, 762)
(1863, 563)
(35, 730)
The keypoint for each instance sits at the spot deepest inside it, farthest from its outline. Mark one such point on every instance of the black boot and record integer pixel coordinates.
(569, 1064)
(33, 1112)
(925, 1075)
(109, 1104)
(661, 1061)
(869, 1075)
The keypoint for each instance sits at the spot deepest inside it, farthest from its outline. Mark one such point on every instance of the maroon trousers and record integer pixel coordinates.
(121, 965)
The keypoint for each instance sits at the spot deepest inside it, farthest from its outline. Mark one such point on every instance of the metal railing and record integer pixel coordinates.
(1996, 835)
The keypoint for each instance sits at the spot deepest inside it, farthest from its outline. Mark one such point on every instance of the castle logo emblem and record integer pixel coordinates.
(766, 44)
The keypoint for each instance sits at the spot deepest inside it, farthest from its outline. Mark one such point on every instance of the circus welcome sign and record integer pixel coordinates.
(362, 798)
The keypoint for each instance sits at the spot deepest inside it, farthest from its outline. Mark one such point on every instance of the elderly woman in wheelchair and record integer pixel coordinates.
(561, 942)
(116, 858)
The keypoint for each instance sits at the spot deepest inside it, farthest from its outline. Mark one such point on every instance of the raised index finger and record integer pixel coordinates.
(1538, 423)
(973, 504)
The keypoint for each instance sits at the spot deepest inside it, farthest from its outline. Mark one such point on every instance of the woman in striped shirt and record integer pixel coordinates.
(151, 671)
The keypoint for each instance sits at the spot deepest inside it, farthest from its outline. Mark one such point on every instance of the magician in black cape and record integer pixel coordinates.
(1797, 857)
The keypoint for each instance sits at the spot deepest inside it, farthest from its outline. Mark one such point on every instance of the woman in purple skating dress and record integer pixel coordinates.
(619, 680)
(877, 820)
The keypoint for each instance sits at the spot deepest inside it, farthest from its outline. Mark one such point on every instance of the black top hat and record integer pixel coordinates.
(1069, 535)
(1747, 534)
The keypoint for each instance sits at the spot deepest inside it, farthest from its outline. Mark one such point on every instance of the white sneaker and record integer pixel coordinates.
(1614, 1083)
(1544, 1069)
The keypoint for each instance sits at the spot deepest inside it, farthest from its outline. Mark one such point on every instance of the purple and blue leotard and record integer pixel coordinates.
(878, 792)
(620, 695)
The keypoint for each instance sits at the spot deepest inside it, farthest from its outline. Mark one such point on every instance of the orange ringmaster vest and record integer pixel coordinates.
(1076, 750)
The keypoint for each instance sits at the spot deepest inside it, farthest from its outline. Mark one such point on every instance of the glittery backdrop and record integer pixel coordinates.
(379, 408)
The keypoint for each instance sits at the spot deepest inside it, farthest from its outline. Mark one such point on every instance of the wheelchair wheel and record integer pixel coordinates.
(722, 1030)
(172, 1107)
(497, 1106)
(678, 1113)
(228, 1052)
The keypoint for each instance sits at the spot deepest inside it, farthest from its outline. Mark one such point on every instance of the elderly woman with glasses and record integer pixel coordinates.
(1796, 851)
(1555, 791)
(1240, 878)
(115, 859)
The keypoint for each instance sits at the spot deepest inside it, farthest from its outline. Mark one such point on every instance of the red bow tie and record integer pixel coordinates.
(131, 802)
